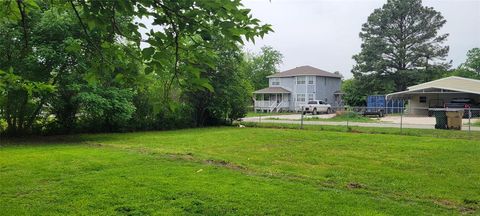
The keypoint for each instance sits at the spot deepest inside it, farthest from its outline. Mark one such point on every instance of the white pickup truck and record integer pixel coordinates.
(317, 106)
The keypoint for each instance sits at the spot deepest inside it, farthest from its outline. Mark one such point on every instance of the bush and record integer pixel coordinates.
(105, 109)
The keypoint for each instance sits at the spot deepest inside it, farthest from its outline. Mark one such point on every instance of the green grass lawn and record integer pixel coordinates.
(449, 134)
(476, 122)
(256, 114)
(351, 117)
(244, 171)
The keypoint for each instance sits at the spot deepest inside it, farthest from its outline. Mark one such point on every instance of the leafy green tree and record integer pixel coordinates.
(470, 68)
(34, 56)
(180, 43)
(473, 61)
(231, 90)
(401, 46)
(78, 61)
(354, 95)
(259, 66)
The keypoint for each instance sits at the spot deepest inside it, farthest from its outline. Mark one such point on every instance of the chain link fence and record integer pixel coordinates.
(466, 119)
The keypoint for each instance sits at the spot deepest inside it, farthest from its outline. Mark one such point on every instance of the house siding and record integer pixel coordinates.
(287, 83)
(326, 87)
(323, 89)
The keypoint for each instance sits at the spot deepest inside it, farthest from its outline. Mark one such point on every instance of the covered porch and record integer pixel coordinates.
(272, 99)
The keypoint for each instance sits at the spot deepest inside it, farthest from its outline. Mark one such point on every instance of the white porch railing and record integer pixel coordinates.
(271, 105)
(278, 106)
(264, 104)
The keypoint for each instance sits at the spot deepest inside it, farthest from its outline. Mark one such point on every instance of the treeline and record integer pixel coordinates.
(401, 47)
(85, 66)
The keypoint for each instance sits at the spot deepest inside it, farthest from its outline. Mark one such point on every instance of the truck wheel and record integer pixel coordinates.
(314, 112)
(329, 111)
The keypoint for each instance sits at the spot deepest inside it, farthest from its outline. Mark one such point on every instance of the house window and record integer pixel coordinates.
(423, 99)
(301, 97)
(310, 97)
(275, 81)
(301, 81)
(311, 80)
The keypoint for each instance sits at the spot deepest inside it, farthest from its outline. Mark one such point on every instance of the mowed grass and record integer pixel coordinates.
(259, 114)
(433, 133)
(476, 123)
(240, 171)
(343, 117)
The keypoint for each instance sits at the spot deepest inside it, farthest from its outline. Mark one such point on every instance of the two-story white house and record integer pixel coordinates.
(290, 90)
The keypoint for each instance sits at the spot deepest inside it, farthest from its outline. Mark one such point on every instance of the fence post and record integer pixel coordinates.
(469, 119)
(348, 117)
(301, 119)
(401, 121)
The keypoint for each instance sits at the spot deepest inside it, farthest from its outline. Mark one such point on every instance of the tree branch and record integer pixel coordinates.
(81, 22)
(24, 22)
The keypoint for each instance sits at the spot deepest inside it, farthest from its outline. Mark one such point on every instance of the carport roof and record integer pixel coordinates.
(450, 84)
(272, 90)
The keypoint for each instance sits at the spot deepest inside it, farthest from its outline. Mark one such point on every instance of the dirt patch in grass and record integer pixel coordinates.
(95, 145)
(188, 156)
(355, 185)
(446, 203)
(223, 163)
(468, 206)
(467, 210)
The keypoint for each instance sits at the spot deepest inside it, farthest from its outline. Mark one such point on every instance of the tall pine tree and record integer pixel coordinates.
(401, 46)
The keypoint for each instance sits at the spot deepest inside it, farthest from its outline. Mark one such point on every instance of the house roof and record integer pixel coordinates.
(274, 90)
(304, 71)
(452, 83)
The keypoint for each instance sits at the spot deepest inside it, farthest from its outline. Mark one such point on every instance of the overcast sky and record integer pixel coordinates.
(324, 33)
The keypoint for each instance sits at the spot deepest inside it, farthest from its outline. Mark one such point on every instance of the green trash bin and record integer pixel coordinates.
(440, 119)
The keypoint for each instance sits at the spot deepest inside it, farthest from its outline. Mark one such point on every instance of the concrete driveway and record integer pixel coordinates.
(291, 117)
